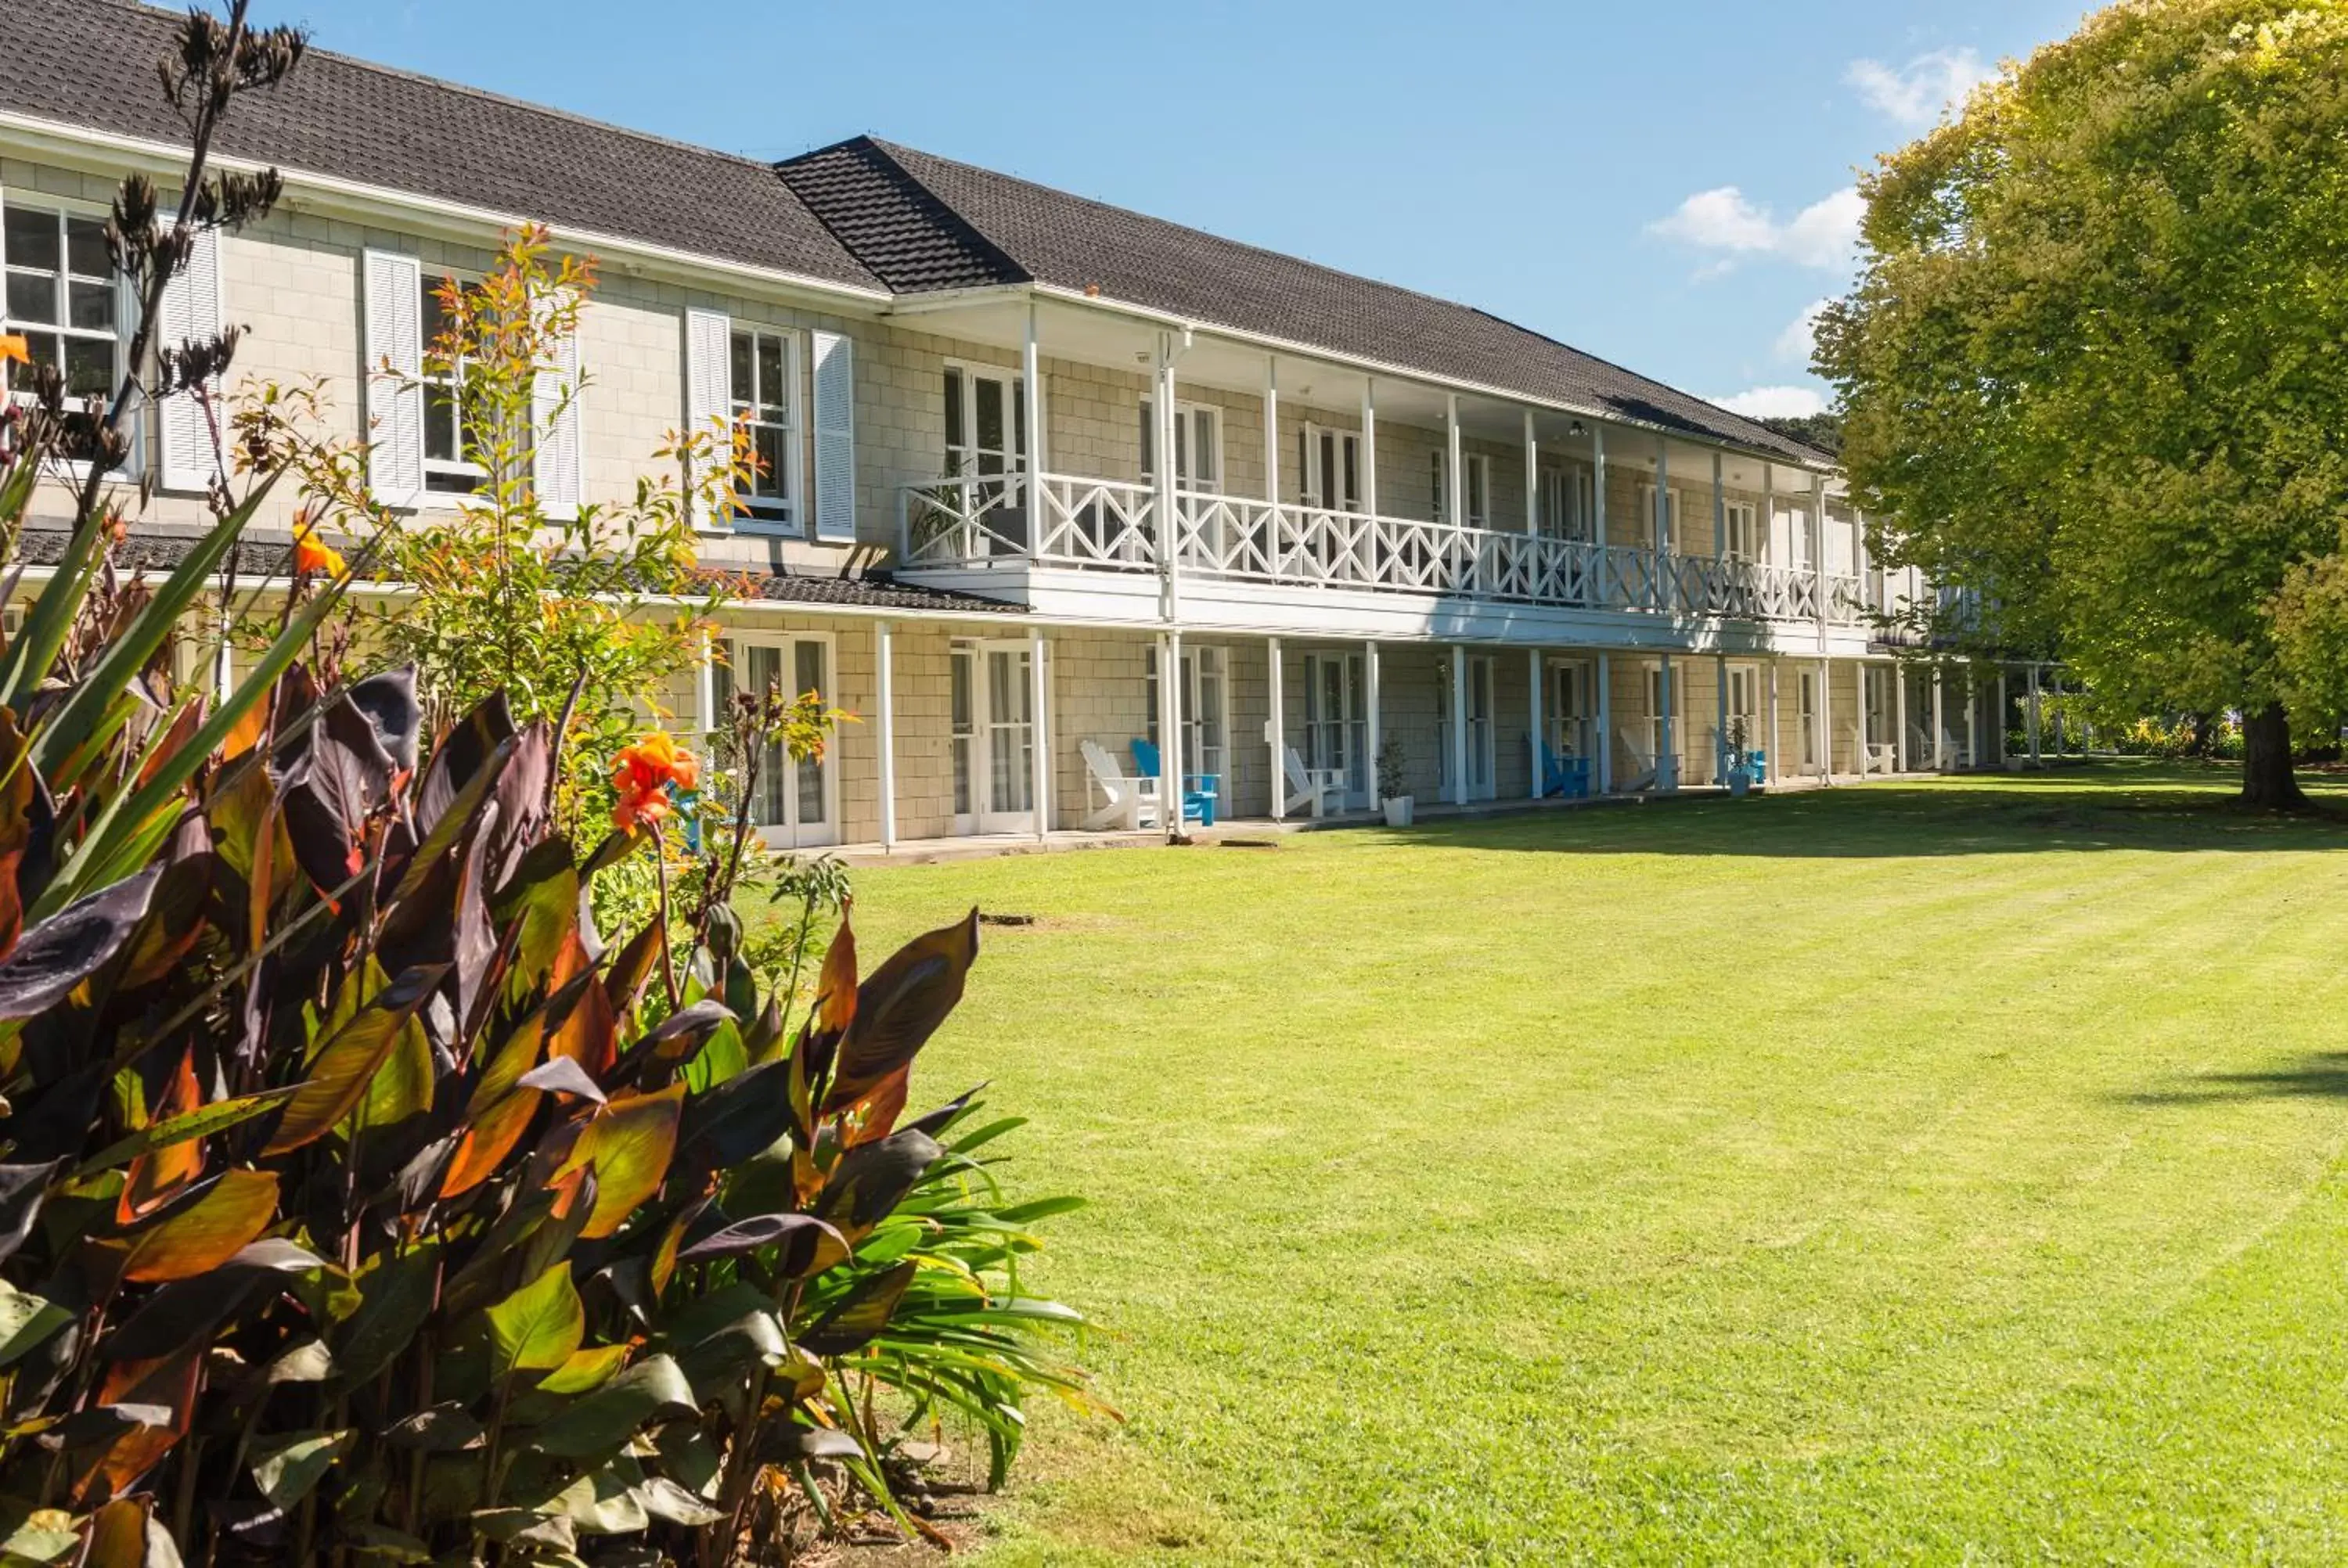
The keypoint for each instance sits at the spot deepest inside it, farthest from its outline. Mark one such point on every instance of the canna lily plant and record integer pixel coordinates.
(359, 1199)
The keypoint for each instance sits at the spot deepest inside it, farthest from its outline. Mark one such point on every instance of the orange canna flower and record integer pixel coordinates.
(643, 773)
(13, 346)
(313, 554)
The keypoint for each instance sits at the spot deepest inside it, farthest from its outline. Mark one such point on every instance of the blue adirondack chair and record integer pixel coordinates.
(1199, 791)
(1566, 776)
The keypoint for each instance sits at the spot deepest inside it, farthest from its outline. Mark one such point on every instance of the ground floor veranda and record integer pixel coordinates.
(993, 730)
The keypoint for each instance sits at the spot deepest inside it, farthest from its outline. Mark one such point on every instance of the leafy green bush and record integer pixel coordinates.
(357, 1198)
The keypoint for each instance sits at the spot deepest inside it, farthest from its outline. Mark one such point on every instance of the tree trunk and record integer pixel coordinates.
(2267, 780)
(2203, 725)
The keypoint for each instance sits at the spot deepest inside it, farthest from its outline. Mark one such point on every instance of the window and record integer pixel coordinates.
(1476, 490)
(986, 422)
(1203, 688)
(1744, 539)
(794, 797)
(1330, 467)
(1566, 508)
(1198, 445)
(62, 296)
(764, 376)
(1663, 527)
(449, 466)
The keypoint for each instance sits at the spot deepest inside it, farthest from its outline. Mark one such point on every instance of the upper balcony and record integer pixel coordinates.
(974, 529)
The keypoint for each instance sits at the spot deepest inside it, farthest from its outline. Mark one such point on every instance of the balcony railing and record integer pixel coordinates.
(1109, 525)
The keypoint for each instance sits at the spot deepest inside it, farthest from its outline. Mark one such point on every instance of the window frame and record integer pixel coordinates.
(792, 831)
(449, 383)
(1017, 455)
(1211, 415)
(786, 514)
(63, 208)
(1475, 475)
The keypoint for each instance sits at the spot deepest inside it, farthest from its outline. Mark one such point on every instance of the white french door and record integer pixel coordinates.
(795, 804)
(993, 738)
(1481, 771)
(1661, 735)
(1569, 695)
(986, 439)
(1805, 710)
(1206, 709)
(1338, 721)
(1331, 468)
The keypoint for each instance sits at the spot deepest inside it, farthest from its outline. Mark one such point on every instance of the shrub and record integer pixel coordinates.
(358, 1198)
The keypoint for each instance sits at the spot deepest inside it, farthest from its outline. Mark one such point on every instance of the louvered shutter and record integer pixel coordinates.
(835, 437)
(192, 313)
(395, 359)
(554, 413)
(709, 390)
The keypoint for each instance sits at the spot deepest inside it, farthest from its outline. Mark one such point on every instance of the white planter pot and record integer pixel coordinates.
(1399, 810)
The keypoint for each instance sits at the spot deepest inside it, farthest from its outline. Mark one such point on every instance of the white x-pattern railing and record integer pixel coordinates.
(1109, 525)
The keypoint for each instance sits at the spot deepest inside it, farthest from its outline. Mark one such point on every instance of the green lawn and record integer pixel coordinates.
(1934, 1173)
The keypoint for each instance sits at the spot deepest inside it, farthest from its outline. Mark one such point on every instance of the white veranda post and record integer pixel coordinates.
(1533, 475)
(1605, 725)
(1275, 727)
(1031, 401)
(1371, 741)
(1536, 738)
(1459, 724)
(1039, 727)
(884, 663)
(1667, 754)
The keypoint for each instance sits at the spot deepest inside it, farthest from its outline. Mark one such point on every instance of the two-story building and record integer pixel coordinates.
(1046, 476)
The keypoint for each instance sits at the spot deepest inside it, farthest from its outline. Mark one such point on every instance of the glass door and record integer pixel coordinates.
(986, 440)
(795, 804)
(1663, 738)
(1481, 770)
(1566, 693)
(1337, 721)
(992, 735)
(1204, 709)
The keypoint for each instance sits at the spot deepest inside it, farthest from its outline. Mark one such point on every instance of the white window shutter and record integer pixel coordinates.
(395, 359)
(835, 437)
(192, 313)
(554, 448)
(708, 389)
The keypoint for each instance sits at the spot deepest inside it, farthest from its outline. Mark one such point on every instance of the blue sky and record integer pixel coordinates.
(1667, 184)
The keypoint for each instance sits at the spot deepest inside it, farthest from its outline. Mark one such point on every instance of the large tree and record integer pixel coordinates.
(2097, 367)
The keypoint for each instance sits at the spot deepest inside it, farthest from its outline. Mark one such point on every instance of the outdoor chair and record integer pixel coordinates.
(1199, 791)
(1566, 776)
(1318, 791)
(1131, 802)
(1642, 760)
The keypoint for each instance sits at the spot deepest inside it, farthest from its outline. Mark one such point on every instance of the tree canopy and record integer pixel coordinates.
(2093, 367)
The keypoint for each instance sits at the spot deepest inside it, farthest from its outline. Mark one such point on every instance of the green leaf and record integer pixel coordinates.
(27, 1322)
(722, 1057)
(630, 1142)
(861, 1314)
(287, 1466)
(207, 1232)
(585, 1371)
(394, 1296)
(340, 1072)
(655, 1388)
(665, 1498)
(385, 1544)
(537, 1328)
(217, 1117)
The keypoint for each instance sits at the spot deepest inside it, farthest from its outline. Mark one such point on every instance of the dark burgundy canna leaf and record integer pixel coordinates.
(564, 1076)
(871, 1178)
(71, 944)
(936, 1122)
(809, 1244)
(22, 1188)
(861, 1314)
(899, 1008)
(740, 1117)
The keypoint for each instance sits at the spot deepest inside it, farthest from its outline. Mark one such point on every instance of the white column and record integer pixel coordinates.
(1660, 534)
(1775, 768)
(1454, 487)
(1939, 740)
(1765, 532)
(1040, 702)
(1458, 716)
(1369, 447)
(705, 684)
(1532, 477)
(1900, 760)
(884, 672)
(1271, 428)
(1997, 724)
(1598, 487)
(1169, 775)
(1720, 712)
(1168, 531)
(1275, 728)
(1667, 754)
(1605, 725)
(1534, 737)
(1371, 741)
(1826, 721)
(1973, 716)
(1031, 398)
(1859, 684)
(2033, 701)
(1719, 510)
(1818, 568)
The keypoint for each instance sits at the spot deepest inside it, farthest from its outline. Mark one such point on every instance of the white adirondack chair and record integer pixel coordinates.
(1316, 790)
(1132, 803)
(1642, 759)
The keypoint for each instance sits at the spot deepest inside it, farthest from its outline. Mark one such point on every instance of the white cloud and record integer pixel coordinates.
(1774, 403)
(1800, 339)
(1823, 234)
(1915, 93)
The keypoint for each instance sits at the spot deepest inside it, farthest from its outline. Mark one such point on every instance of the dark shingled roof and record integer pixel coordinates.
(92, 63)
(927, 222)
(158, 548)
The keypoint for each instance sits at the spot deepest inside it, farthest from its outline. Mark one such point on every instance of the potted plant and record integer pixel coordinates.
(1398, 805)
(1739, 774)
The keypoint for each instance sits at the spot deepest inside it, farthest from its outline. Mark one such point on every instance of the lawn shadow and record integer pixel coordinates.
(2109, 807)
(2319, 1075)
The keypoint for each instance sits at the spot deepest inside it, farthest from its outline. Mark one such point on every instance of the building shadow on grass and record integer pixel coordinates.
(2120, 807)
(2319, 1075)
